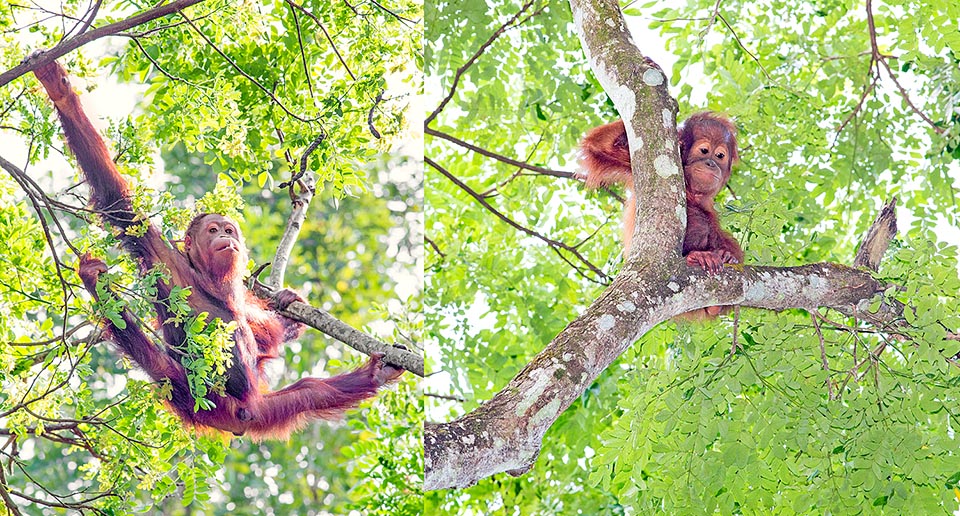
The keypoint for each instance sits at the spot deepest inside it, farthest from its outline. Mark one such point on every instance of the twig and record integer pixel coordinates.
(476, 55)
(241, 71)
(554, 244)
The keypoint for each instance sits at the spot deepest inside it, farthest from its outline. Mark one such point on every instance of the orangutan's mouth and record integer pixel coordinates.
(228, 244)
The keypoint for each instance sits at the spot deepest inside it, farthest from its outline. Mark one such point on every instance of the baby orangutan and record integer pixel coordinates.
(708, 148)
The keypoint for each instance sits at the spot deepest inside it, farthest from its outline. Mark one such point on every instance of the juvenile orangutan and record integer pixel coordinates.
(708, 148)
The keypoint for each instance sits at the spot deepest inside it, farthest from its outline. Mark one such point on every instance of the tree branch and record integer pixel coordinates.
(505, 433)
(356, 339)
(301, 203)
(503, 159)
(585, 268)
(44, 57)
(466, 66)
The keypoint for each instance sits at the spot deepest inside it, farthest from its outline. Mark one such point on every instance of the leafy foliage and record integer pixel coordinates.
(810, 414)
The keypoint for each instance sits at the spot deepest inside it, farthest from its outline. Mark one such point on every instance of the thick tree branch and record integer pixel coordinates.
(41, 58)
(638, 89)
(505, 433)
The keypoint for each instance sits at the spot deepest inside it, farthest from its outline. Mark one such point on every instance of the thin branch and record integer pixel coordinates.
(303, 54)
(744, 48)
(823, 355)
(713, 19)
(499, 157)
(242, 72)
(435, 247)
(906, 97)
(84, 24)
(325, 33)
(599, 274)
(466, 66)
(445, 397)
(408, 21)
(136, 41)
(5, 495)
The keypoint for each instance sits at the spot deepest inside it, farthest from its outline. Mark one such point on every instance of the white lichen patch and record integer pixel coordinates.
(627, 307)
(759, 289)
(606, 322)
(468, 440)
(667, 118)
(814, 286)
(567, 357)
(674, 286)
(681, 214)
(818, 283)
(754, 291)
(546, 414)
(664, 166)
(652, 77)
(626, 102)
(541, 380)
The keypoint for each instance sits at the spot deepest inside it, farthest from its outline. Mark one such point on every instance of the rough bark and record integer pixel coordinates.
(505, 433)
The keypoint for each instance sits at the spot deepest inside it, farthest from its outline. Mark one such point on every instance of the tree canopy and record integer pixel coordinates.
(840, 107)
(228, 100)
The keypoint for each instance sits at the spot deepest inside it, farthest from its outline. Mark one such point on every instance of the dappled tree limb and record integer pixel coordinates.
(505, 433)
(356, 339)
(44, 57)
